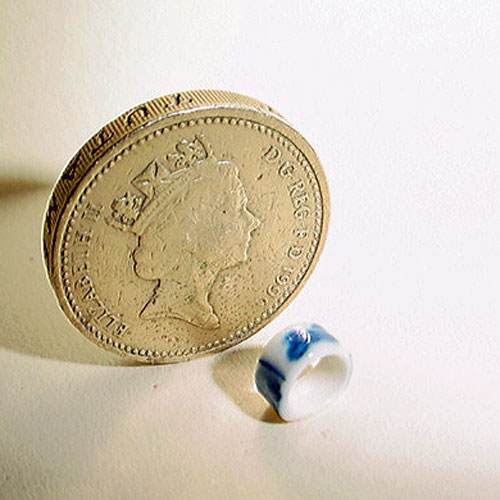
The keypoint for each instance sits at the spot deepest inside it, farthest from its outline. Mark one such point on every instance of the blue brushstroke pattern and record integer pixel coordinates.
(268, 380)
(298, 341)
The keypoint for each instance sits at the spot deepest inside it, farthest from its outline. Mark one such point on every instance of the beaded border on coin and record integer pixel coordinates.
(76, 174)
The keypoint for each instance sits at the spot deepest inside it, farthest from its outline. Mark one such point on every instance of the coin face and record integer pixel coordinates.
(185, 225)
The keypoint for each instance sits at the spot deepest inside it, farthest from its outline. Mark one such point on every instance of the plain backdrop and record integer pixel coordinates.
(401, 100)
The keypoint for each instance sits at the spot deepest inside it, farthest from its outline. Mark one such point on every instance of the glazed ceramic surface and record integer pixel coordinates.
(302, 370)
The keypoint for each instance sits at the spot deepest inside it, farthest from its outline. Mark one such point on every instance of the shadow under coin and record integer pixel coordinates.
(233, 372)
(32, 323)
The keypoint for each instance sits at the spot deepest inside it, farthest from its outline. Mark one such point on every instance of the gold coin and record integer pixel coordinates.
(185, 225)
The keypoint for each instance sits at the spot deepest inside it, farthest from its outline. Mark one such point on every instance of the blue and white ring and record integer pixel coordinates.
(302, 370)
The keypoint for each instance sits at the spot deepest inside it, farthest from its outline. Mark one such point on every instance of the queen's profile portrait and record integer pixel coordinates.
(194, 223)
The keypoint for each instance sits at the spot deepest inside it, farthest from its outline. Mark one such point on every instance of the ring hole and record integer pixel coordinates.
(318, 385)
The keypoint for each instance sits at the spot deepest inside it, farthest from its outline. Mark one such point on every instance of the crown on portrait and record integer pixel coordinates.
(155, 178)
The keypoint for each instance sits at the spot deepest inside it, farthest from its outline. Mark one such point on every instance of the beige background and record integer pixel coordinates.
(401, 101)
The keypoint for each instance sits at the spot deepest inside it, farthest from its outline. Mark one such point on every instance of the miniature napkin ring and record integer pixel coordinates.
(301, 370)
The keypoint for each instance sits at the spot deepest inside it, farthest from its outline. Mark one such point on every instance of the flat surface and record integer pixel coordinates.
(401, 102)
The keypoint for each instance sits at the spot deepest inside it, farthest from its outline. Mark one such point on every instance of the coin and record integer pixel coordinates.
(185, 225)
